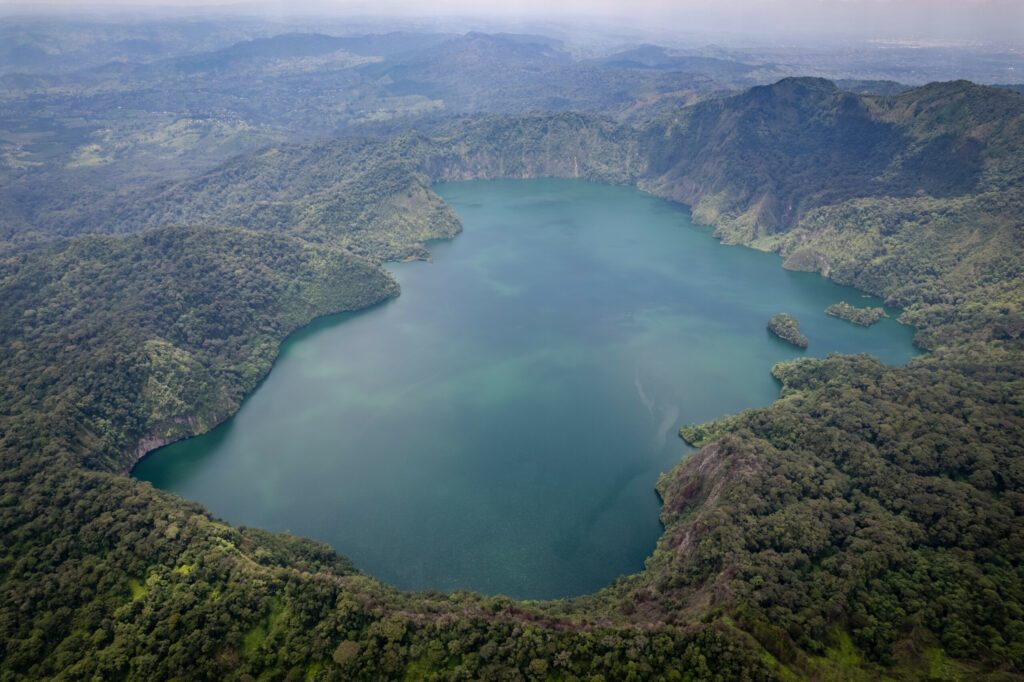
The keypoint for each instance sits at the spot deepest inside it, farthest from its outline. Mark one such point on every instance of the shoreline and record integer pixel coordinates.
(153, 443)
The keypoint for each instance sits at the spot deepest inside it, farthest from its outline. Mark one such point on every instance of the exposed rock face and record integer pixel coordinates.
(173, 430)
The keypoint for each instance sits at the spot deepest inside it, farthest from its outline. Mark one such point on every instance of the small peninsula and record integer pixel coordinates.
(787, 328)
(865, 317)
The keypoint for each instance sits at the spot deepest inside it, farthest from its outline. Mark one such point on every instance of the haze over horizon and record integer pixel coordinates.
(997, 21)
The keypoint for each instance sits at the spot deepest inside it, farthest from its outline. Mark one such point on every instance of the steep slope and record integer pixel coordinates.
(776, 151)
(113, 344)
(373, 197)
(915, 197)
(884, 502)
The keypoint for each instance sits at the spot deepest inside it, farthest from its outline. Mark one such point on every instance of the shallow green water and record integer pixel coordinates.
(500, 426)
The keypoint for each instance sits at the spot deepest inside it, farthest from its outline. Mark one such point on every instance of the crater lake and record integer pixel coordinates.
(500, 426)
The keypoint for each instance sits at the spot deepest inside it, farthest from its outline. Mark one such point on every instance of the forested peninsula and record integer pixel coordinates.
(869, 523)
(865, 317)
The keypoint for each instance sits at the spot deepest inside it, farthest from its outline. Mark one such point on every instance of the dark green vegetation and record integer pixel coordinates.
(159, 333)
(862, 316)
(915, 197)
(878, 500)
(787, 328)
(869, 522)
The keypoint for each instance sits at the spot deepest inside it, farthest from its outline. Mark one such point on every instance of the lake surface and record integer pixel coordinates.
(500, 426)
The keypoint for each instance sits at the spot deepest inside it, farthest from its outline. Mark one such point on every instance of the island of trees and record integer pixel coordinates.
(787, 328)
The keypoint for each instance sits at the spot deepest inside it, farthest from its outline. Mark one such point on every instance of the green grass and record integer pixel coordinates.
(313, 670)
(417, 669)
(841, 661)
(940, 667)
(137, 588)
(89, 156)
(255, 637)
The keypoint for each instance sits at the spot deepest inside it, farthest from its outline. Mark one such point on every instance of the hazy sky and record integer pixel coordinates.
(1001, 20)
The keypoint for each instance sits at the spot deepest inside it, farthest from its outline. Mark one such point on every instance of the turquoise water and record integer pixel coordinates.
(500, 426)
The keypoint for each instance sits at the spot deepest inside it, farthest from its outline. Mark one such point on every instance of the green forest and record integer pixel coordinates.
(867, 525)
(787, 328)
(865, 317)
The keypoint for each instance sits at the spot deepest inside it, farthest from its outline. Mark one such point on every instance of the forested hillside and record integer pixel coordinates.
(915, 197)
(109, 340)
(903, 196)
(360, 193)
(868, 523)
